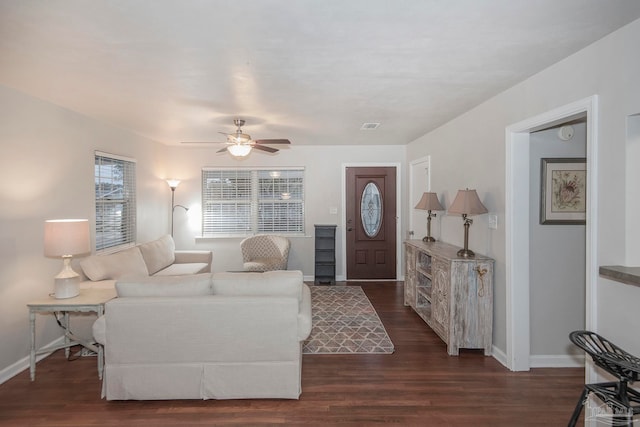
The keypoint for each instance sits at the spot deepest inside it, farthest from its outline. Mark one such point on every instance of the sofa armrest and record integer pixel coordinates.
(186, 257)
(304, 315)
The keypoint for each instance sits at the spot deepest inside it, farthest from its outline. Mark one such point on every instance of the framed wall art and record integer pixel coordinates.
(563, 195)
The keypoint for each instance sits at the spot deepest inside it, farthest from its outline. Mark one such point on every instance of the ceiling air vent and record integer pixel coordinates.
(369, 126)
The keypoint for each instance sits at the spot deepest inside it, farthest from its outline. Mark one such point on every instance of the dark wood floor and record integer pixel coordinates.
(417, 385)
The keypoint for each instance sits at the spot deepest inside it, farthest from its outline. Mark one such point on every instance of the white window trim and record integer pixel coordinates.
(112, 249)
(254, 203)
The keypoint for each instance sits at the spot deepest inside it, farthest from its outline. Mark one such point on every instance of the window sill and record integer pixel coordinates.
(211, 239)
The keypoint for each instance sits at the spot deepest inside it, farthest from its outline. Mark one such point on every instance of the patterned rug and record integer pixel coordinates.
(344, 321)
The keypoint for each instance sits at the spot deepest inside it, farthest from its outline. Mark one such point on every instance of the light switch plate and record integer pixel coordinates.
(333, 211)
(493, 222)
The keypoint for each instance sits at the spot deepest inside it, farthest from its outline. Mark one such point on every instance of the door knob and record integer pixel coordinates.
(349, 229)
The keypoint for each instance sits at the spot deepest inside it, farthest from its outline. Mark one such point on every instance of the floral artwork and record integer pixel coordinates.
(567, 191)
(563, 191)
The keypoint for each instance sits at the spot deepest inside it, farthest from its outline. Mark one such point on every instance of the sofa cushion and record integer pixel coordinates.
(169, 286)
(158, 254)
(126, 263)
(182, 269)
(269, 283)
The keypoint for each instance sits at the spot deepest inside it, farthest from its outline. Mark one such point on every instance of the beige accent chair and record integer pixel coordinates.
(265, 252)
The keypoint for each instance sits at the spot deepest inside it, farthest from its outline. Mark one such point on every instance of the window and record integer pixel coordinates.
(240, 202)
(115, 181)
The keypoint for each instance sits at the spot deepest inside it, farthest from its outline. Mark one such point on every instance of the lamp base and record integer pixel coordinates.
(428, 239)
(466, 253)
(67, 287)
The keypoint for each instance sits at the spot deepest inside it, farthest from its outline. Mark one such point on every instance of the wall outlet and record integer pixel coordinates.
(493, 222)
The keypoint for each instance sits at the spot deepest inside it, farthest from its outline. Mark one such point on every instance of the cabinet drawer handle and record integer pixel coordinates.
(481, 273)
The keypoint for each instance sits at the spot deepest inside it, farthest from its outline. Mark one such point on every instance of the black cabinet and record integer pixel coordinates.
(325, 266)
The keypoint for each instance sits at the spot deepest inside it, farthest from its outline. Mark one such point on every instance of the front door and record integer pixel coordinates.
(371, 222)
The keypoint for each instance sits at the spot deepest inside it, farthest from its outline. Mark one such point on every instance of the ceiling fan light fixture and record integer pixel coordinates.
(243, 138)
(239, 150)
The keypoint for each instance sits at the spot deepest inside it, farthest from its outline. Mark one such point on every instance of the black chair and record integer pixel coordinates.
(617, 395)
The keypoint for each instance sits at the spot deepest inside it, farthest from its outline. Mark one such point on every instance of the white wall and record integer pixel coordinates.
(323, 190)
(557, 256)
(633, 189)
(46, 158)
(470, 151)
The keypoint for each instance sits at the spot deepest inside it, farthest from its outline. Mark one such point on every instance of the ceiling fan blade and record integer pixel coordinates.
(265, 148)
(201, 142)
(272, 141)
(222, 150)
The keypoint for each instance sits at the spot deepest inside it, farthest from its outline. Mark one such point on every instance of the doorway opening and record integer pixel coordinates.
(518, 217)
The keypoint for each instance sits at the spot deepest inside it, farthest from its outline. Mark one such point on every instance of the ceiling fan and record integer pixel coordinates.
(239, 144)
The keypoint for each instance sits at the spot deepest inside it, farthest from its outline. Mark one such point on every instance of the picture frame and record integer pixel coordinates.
(563, 195)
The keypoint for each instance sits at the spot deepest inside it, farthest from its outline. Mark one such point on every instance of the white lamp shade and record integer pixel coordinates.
(239, 150)
(467, 202)
(63, 237)
(429, 202)
(173, 183)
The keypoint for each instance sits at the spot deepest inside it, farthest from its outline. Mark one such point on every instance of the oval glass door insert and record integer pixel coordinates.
(371, 209)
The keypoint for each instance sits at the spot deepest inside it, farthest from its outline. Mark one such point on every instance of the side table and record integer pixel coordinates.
(89, 300)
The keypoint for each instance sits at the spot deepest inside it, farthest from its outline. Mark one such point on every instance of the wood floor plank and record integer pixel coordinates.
(417, 385)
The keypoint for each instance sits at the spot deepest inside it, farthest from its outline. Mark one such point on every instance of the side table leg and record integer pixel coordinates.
(32, 353)
(67, 341)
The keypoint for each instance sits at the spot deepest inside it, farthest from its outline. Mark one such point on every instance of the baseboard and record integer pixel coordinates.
(312, 278)
(499, 355)
(12, 370)
(556, 361)
(543, 361)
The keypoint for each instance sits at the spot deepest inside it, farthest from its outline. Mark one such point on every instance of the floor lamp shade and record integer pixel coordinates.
(467, 203)
(429, 202)
(66, 238)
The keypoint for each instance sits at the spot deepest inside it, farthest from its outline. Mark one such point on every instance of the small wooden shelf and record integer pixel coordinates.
(325, 254)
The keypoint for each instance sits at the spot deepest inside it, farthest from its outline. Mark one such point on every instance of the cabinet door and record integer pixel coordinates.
(484, 291)
(472, 304)
(440, 297)
(410, 277)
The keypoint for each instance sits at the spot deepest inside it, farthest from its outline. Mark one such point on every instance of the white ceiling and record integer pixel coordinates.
(312, 71)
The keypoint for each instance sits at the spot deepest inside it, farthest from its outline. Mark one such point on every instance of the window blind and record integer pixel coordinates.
(238, 202)
(115, 194)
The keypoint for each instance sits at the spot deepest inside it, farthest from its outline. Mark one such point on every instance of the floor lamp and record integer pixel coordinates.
(173, 184)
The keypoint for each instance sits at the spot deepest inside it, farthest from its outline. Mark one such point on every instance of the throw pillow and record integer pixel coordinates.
(126, 263)
(158, 254)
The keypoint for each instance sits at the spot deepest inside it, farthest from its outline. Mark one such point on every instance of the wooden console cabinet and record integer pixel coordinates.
(453, 295)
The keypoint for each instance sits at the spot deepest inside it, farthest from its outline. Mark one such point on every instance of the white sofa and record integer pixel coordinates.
(207, 336)
(156, 258)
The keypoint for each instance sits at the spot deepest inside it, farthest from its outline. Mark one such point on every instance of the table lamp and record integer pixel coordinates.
(467, 203)
(429, 202)
(66, 238)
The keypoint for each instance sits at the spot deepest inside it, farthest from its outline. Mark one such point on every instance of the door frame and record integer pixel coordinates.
(343, 220)
(426, 160)
(517, 202)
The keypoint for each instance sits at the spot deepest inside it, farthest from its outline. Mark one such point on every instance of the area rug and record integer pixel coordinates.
(345, 322)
